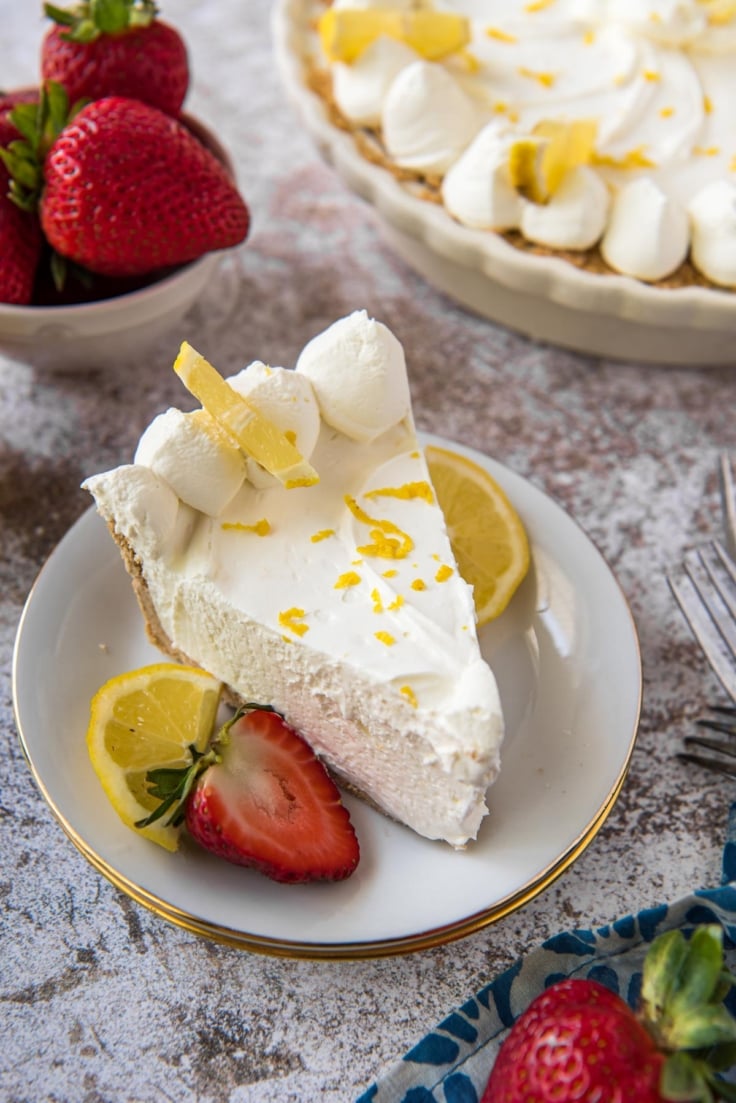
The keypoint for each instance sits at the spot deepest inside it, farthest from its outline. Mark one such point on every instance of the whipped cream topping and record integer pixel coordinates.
(338, 603)
(358, 372)
(648, 232)
(361, 88)
(285, 398)
(574, 217)
(713, 221)
(477, 189)
(427, 119)
(658, 77)
(195, 458)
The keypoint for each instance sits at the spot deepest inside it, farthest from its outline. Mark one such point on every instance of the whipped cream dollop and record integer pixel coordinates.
(361, 88)
(358, 371)
(427, 119)
(197, 460)
(477, 189)
(648, 232)
(657, 77)
(574, 217)
(713, 221)
(285, 398)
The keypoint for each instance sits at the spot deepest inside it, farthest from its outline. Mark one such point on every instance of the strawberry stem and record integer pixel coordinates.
(683, 988)
(172, 785)
(39, 125)
(91, 18)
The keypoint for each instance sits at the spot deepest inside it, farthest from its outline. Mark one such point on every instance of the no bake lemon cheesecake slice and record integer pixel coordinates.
(337, 601)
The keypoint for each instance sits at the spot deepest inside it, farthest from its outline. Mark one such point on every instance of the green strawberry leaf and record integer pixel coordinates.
(60, 15)
(682, 1081)
(92, 18)
(110, 16)
(662, 967)
(702, 969)
(25, 117)
(721, 1058)
(55, 105)
(173, 785)
(701, 1027)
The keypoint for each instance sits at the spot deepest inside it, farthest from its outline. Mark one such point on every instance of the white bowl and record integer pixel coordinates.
(91, 335)
(542, 297)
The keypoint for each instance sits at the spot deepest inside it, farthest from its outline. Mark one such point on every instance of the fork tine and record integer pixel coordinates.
(717, 726)
(705, 590)
(728, 501)
(713, 575)
(708, 763)
(711, 745)
(720, 746)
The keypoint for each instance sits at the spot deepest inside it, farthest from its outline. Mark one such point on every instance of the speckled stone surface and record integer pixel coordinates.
(103, 1002)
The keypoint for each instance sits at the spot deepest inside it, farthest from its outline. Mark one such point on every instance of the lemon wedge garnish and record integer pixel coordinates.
(345, 33)
(538, 161)
(144, 720)
(242, 421)
(487, 535)
(720, 12)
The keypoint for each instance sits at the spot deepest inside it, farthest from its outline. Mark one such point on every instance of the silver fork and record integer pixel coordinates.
(728, 500)
(705, 590)
(724, 748)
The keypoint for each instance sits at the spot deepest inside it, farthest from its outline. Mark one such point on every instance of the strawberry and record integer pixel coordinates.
(128, 190)
(10, 100)
(579, 1041)
(260, 797)
(20, 232)
(105, 48)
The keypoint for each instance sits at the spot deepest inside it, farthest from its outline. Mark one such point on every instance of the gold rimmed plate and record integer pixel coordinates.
(567, 660)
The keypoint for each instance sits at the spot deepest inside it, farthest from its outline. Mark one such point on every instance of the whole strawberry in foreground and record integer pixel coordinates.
(259, 797)
(128, 190)
(580, 1042)
(116, 48)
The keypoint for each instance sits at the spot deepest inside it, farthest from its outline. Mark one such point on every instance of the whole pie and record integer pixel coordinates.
(600, 130)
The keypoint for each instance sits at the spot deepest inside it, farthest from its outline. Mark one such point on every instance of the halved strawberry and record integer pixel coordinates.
(261, 798)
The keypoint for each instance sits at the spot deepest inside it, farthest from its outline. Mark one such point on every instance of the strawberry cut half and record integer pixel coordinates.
(267, 802)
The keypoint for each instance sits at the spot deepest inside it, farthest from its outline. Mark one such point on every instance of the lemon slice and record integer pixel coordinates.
(144, 720)
(345, 33)
(487, 536)
(538, 162)
(242, 421)
(720, 12)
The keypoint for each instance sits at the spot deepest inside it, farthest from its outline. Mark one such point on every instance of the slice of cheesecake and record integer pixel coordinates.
(339, 603)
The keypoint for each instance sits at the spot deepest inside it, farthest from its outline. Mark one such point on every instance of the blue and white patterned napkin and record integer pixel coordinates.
(453, 1062)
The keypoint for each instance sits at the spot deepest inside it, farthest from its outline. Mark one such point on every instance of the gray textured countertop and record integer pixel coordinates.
(101, 999)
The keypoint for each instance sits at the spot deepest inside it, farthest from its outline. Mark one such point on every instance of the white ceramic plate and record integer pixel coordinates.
(567, 661)
(542, 297)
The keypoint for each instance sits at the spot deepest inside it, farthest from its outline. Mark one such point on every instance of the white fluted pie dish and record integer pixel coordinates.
(541, 296)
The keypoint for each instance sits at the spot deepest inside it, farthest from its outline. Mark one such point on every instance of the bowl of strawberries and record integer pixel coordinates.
(115, 204)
